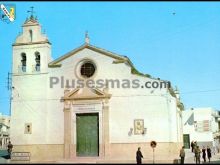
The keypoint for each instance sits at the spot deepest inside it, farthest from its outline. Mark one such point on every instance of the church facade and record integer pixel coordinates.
(56, 114)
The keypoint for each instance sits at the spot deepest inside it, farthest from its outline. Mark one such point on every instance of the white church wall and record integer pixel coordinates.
(36, 103)
(29, 106)
(124, 111)
(36, 35)
(105, 68)
(55, 122)
(30, 50)
(34, 114)
(172, 113)
(142, 103)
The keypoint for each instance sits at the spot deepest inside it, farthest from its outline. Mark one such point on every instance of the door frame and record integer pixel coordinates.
(188, 135)
(100, 131)
(90, 96)
(87, 114)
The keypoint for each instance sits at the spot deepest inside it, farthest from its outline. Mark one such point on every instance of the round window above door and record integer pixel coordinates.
(87, 69)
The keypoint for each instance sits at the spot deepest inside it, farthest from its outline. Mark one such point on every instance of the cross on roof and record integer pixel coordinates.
(31, 11)
(87, 37)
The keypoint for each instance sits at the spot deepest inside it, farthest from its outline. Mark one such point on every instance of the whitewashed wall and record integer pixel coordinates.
(35, 102)
(200, 114)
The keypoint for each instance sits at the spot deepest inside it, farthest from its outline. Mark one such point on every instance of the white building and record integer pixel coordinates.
(54, 121)
(201, 125)
(4, 130)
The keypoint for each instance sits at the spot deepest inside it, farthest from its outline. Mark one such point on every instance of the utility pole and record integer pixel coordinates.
(9, 81)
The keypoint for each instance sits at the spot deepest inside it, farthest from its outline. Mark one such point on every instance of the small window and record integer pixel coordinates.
(23, 62)
(87, 69)
(31, 35)
(28, 128)
(37, 60)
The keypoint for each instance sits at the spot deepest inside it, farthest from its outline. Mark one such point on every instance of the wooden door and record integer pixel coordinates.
(87, 130)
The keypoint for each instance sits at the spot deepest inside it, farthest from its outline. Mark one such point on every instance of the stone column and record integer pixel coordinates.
(72, 134)
(67, 130)
(106, 129)
(1, 142)
(4, 144)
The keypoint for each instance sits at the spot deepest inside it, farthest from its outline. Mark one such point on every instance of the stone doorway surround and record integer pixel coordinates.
(85, 100)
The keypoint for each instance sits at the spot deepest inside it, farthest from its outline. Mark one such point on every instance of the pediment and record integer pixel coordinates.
(85, 94)
(116, 57)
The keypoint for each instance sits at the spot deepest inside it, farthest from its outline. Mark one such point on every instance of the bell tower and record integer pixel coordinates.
(31, 49)
(30, 57)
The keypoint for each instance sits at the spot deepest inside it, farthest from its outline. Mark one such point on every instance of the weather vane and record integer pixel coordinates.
(31, 11)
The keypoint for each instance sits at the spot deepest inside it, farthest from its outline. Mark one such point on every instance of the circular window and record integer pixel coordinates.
(87, 69)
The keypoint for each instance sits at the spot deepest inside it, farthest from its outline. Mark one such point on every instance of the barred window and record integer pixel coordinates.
(87, 69)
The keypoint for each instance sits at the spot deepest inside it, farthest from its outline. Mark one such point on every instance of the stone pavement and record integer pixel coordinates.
(188, 159)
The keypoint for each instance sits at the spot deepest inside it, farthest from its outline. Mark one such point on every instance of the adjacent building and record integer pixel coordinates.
(53, 118)
(4, 130)
(202, 125)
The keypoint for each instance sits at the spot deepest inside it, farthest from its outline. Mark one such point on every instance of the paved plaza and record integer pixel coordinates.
(188, 160)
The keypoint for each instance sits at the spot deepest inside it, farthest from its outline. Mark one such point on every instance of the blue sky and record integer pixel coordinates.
(183, 47)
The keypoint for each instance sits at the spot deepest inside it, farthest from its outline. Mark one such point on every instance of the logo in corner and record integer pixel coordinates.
(7, 13)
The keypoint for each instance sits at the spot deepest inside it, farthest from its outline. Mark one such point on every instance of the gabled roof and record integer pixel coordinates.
(119, 58)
